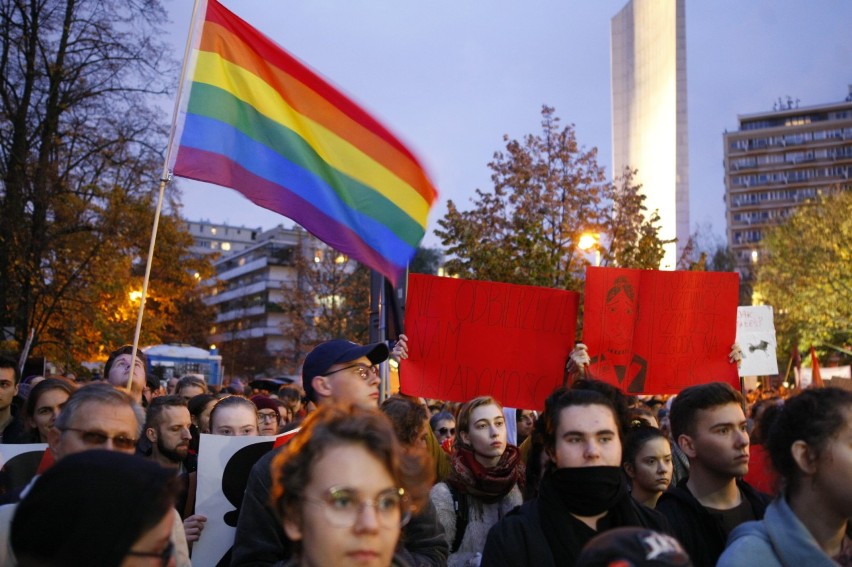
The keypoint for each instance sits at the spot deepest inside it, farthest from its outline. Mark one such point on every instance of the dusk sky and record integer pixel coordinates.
(449, 78)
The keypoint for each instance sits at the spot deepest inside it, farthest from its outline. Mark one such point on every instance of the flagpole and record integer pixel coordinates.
(165, 177)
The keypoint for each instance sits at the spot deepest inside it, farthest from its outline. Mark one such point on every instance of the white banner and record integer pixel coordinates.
(224, 463)
(756, 337)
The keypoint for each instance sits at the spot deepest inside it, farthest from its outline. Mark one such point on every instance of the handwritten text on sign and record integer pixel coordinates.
(654, 332)
(756, 337)
(471, 338)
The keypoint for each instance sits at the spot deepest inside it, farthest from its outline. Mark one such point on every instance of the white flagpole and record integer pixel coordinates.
(165, 177)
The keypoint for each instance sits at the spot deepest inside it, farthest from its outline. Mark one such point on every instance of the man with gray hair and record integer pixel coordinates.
(97, 416)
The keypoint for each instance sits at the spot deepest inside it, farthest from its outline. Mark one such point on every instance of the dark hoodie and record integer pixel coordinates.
(700, 533)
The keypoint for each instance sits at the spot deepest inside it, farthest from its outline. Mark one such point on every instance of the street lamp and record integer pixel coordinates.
(589, 240)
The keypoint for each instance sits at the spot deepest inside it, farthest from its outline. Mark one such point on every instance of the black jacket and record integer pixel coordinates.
(518, 539)
(701, 534)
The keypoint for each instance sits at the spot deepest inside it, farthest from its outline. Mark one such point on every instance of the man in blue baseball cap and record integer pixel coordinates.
(343, 371)
(337, 371)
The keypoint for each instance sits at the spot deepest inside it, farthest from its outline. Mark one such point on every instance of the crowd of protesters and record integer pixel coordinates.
(594, 477)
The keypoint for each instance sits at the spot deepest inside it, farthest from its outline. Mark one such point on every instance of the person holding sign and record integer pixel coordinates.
(344, 487)
(583, 494)
(483, 484)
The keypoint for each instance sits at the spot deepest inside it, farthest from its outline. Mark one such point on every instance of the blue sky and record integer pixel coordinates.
(450, 78)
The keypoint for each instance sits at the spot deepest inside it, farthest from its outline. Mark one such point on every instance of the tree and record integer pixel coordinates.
(633, 239)
(328, 299)
(804, 273)
(548, 191)
(80, 152)
(426, 261)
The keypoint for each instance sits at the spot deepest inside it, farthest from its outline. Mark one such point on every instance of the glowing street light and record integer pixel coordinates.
(591, 240)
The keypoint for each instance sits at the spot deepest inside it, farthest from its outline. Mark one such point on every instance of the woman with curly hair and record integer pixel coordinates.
(343, 488)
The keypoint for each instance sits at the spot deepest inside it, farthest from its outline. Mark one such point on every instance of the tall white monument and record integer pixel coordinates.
(649, 120)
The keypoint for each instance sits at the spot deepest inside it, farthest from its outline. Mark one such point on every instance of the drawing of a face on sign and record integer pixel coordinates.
(617, 363)
(620, 314)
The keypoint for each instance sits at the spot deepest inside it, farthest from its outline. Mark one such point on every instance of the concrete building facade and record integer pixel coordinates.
(777, 160)
(649, 110)
(209, 237)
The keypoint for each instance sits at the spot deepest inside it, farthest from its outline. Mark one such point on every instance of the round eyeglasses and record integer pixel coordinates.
(342, 507)
(364, 371)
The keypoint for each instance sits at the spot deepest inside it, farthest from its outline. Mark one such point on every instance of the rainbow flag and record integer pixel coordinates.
(253, 118)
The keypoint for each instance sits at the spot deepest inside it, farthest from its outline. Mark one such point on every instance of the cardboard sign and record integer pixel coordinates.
(756, 337)
(471, 338)
(655, 332)
(224, 463)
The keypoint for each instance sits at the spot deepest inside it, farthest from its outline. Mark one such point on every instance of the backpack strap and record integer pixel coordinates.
(460, 506)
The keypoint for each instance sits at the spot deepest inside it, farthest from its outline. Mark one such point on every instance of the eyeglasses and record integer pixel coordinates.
(364, 371)
(96, 438)
(268, 416)
(342, 507)
(164, 556)
(446, 430)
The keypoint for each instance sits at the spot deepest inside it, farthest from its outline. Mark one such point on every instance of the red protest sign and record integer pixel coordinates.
(653, 332)
(470, 338)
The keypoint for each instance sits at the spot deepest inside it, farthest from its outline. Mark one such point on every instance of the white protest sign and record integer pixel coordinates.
(756, 337)
(20, 463)
(224, 463)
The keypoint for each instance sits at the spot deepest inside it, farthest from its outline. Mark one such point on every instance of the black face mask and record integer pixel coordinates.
(589, 491)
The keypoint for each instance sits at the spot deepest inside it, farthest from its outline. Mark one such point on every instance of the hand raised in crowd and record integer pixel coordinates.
(736, 355)
(400, 349)
(192, 527)
(580, 357)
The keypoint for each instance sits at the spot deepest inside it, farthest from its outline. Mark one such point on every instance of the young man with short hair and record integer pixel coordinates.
(167, 428)
(190, 386)
(709, 426)
(9, 379)
(117, 371)
(585, 494)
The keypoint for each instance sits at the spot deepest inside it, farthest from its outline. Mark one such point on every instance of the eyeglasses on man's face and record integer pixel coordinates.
(342, 507)
(268, 416)
(447, 430)
(364, 371)
(98, 438)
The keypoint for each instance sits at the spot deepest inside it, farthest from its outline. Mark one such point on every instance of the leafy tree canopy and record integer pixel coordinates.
(804, 273)
(548, 191)
(80, 152)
